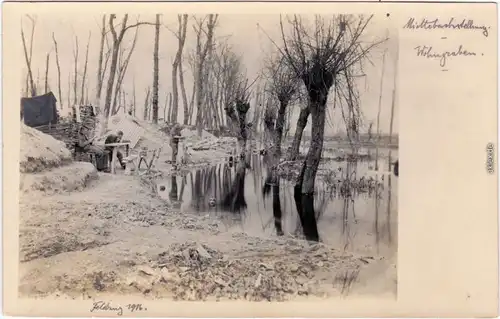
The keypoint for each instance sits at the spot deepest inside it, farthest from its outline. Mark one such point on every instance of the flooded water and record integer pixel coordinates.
(348, 218)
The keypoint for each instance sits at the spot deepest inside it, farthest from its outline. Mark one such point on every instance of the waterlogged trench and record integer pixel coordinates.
(355, 221)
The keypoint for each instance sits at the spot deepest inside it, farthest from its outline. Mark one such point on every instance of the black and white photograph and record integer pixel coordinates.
(208, 157)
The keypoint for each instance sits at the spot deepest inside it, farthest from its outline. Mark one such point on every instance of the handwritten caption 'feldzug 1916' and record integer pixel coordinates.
(429, 52)
(103, 306)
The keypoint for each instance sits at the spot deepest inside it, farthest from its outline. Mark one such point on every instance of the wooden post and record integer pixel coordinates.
(113, 160)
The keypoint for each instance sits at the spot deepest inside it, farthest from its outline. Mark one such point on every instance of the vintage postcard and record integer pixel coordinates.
(243, 159)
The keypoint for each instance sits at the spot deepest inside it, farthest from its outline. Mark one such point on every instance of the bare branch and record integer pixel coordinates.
(75, 82)
(58, 71)
(82, 97)
(28, 59)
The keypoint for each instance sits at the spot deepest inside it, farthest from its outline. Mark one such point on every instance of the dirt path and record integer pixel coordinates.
(116, 236)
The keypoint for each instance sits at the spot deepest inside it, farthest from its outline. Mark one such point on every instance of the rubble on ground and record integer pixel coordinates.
(195, 271)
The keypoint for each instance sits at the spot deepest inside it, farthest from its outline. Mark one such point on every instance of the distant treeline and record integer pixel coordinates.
(363, 138)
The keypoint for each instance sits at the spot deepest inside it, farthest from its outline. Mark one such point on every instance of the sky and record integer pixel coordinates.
(252, 36)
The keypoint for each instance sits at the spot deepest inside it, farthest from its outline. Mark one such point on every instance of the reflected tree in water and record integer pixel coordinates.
(202, 189)
(173, 192)
(277, 213)
(234, 200)
(305, 209)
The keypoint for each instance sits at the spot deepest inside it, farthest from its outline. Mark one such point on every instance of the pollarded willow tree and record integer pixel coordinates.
(235, 96)
(282, 88)
(319, 54)
(236, 111)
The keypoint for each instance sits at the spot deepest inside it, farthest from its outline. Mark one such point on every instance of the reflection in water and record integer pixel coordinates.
(349, 217)
(234, 200)
(277, 213)
(173, 189)
(305, 209)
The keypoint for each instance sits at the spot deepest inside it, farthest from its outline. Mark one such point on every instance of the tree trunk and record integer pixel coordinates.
(28, 64)
(37, 85)
(379, 109)
(184, 95)
(191, 104)
(175, 93)
(169, 115)
(318, 114)
(100, 73)
(69, 89)
(75, 82)
(305, 208)
(112, 69)
(201, 70)
(47, 73)
(155, 70)
(199, 98)
(165, 109)
(82, 98)
(280, 124)
(58, 71)
(242, 110)
(301, 124)
(176, 67)
(122, 71)
(181, 71)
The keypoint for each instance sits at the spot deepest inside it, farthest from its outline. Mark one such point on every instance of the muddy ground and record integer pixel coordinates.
(116, 236)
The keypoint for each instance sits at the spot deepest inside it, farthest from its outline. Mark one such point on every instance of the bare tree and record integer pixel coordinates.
(378, 112)
(165, 109)
(236, 110)
(75, 82)
(100, 73)
(84, 76)
(169, 112)
(180, 34)
(117, 40)
(347, 95)
(224, 78)
(318, 56)
(122, 70)
(181, 71)
(47, 73)
(201, 53)
(58, 70)
(156, 70)
(282, 87)
(192, 64)
(28, 56)
(69, 89)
